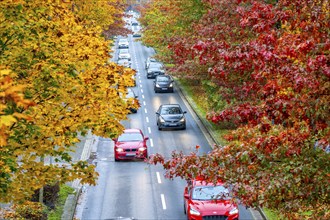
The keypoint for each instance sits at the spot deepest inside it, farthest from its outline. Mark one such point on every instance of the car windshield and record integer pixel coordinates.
(128, 137)
(155, 65)
(123, 61)
(123, 51)
(210, 193)
(170, 111)
(162, 79)
(123, 41)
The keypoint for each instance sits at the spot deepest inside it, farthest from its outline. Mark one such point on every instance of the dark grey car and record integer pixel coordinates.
(171, 116)
(155, 69)
(163, 83)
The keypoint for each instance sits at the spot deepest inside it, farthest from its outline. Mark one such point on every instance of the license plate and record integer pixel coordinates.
(172, 124)
(130, 154)
(164, 88)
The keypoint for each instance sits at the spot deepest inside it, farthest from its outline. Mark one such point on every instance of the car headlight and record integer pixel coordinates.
(157, 85)
(182, 120)
(194, 211)
(171, 85)
(119, 149)
(142, 148)
(233, 211)
(161, 120)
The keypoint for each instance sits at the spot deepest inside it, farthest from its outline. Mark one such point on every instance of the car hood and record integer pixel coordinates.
(163, 83)
(172, 117)
(212, 206)
(130, 145)
(155, 70)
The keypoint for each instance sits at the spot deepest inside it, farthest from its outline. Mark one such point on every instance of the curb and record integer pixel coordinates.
(202, 123)
(70, 205)
(69, 210)
(259, 209)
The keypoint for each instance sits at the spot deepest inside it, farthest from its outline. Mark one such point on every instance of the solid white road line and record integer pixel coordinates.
(162, 197)
(158, 178)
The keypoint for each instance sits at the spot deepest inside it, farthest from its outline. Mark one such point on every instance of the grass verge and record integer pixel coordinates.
(197, 97)
(56, 214)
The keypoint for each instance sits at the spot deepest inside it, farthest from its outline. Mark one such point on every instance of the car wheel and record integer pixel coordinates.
(159, 128)
(184, 209)
(116, 160)
(184, 128)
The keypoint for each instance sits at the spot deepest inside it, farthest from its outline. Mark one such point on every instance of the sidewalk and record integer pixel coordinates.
(84, 151)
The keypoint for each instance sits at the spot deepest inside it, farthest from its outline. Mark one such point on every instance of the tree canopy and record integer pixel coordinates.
(269, 60)
(56, 82)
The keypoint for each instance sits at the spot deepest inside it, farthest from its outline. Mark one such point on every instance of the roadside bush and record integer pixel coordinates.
(27, 210)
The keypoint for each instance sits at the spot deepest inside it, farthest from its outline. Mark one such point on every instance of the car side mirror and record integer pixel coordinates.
(115, 139)
(146, 138)
(186, 196)
(184, 112)
(157, 113)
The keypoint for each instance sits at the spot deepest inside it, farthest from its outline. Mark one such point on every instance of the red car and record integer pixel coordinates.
(132, 144)
(204, 201)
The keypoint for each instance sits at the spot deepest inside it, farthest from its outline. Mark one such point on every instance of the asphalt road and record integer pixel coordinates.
(134, 189)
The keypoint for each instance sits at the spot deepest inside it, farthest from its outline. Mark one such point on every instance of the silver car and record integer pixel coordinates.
(123, 43)
(124, 63)
(124, 54)
(148, 61)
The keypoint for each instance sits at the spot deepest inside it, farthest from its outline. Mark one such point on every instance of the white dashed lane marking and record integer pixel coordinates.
(158, 178)
(162, 197)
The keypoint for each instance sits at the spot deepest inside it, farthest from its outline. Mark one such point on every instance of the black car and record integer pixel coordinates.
(155, 69)
(163, 83)
(171, 116)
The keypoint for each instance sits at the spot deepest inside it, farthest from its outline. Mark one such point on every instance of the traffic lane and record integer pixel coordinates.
(167, 141)
(185, 140)
(123, 188)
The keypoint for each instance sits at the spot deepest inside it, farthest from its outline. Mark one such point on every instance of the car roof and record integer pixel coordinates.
(170, 105)
(132, 130)
(200, 181)
(165, 75)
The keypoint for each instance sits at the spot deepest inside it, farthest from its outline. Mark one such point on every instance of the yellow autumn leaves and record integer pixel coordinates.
(55, 83)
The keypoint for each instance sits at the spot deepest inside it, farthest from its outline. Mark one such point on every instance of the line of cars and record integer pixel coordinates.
(202, 200)
(168, 116)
